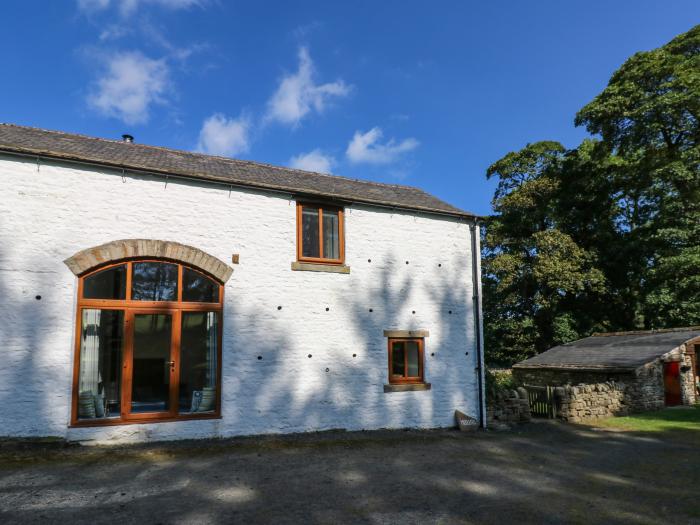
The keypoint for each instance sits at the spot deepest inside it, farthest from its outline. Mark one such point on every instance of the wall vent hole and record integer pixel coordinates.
(369, 260)
(439, 265)
(432, 354)
(354, 355)
(371, 310)
(406, 262)
(413, 311)
(259, 358)
(327, 309)
(309, 356)
(279, 307)
(328, 369)
(38, 297)
(449, 312)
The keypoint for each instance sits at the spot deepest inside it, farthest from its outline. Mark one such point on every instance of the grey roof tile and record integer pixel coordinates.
(139, 157)
(605, 351)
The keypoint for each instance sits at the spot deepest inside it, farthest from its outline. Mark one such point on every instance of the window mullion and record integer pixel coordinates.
(320, 232)
(129, 273)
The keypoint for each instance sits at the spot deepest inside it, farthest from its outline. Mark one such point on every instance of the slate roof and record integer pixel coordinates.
(152, 159)
(611, 351)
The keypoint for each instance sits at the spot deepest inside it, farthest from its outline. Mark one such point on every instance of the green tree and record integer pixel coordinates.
(605, 236)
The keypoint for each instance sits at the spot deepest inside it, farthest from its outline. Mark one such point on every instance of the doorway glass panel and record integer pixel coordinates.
(101, 339)
(198, 367)
(151, 363)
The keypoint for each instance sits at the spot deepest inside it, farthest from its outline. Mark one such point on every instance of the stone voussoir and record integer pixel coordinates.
(90, 258)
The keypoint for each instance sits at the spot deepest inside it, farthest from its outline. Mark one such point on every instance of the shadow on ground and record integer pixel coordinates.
(544, 472)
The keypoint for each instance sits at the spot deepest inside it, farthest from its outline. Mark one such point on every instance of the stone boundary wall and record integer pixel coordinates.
(508, 408)
(582, 395)
(585, 402)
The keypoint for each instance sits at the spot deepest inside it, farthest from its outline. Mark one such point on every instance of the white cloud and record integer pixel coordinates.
(92, 5)
(298, 95)
(128, 7)
(130, 85)
(114, 32)
(365, 147)
(314, 160)
(224, 136)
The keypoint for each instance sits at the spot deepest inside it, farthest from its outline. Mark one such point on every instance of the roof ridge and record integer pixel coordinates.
(645, 332)
(208, 155)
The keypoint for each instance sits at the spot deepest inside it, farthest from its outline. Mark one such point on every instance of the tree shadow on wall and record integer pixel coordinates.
(34, 389)
(331, 385)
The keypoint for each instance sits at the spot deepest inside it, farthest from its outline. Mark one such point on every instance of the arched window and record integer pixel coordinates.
(148, 344)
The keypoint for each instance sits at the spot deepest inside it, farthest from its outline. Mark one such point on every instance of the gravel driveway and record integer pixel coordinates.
(539, 473)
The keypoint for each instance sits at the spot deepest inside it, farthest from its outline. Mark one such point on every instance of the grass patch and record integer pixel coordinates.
(679, 418)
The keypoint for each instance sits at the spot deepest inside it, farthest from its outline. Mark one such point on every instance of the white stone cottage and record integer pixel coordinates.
(148, 293)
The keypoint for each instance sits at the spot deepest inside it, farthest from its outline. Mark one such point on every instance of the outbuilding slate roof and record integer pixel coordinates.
(151, 159)
(611, 351)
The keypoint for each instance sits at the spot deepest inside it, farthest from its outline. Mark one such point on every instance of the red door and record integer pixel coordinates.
(672, 383)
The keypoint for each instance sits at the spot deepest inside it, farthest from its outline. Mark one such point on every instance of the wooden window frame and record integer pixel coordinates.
(403, 380)
(341, 233)
(130, 308)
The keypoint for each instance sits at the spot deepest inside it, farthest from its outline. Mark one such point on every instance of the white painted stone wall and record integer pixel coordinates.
(50, 212)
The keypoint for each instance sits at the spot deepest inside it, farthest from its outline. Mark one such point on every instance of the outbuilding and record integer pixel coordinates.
(150, 293)
(611, 374)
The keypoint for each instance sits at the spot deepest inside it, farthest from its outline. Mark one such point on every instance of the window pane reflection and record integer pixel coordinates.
(198, 349)
(412, 358)
(154, 281)
(309, 232)
(101, 337)
(107, 284)
(331, 242)
(397, 358)
(198, 288)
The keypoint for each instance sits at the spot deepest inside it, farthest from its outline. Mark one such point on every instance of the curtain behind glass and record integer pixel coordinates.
(198, 366)
(99, 379)
(331, 234)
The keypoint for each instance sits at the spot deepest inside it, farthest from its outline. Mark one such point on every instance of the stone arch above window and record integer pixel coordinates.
(91, 258)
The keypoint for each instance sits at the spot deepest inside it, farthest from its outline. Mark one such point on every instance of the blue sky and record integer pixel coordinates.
(420, 93)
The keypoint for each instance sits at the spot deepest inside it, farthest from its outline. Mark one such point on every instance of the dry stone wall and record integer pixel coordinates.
(508, 408)
(585, 402)
(582, 395)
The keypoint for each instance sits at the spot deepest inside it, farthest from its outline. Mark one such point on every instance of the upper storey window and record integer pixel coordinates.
(320, 236)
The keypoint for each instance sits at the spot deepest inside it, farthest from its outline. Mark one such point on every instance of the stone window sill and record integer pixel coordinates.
(319, 267)
(406, 387)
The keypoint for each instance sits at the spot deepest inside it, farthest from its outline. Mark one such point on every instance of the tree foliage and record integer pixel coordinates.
(605, 236)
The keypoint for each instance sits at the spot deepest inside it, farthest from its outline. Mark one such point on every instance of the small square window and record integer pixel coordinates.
(406, 361)
(320, 234)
